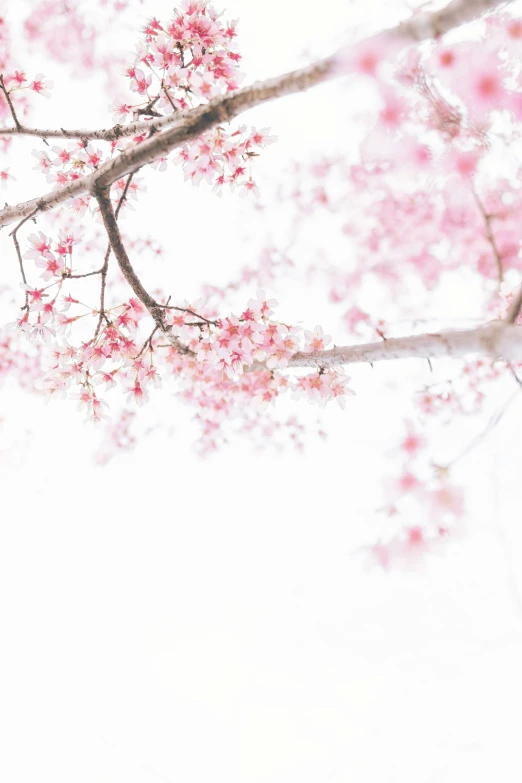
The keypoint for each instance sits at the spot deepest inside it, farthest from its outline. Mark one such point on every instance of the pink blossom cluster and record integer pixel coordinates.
(66, 164)
(78, 34)
(118, 436)
(19, 361)
(19, 87)
(323, 386)
(190, 59)
(422, 494)
(181, 65)
(462, 395)
(426, 202)
(221, 365)
(221, 157)
(422, 201)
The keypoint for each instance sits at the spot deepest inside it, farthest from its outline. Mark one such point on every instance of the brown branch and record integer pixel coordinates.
(490, 237)
(419, 28)
(118, 248)
(69, 276)
(180, 128)
(190, 312)
(18, 128)
(148, 110)
(167, 94)
(147, 343)
(105, 268)
(19, 254)
(496, 340)
(514, 307)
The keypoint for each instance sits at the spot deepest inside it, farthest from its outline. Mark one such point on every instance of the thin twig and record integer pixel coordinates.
(147, 343)
(515, 375)
(490, 236)
(68, 276)
(148, 110)
(118, 248)
(190, 312)
(19, 254)
(514, 307)
(167, 93)
(19, 126)
(492, 423)
(105, 268)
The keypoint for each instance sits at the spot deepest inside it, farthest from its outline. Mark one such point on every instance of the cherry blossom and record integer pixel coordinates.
(431, 196)
(42, 85)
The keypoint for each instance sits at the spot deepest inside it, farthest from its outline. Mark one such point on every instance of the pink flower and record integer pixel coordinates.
(462, 162)
(413, 442)
(249, 186)
(446, 501)
(366, 56)
(262, 137)
(474, 72)
(151, 375)
(262, 307)
(19, 77)
(353, 317)
(51, 266)
(63, 156)
(394, 110)
(84, 399)
(4, 177)
(41, 85)
(121, 111)
(40, 331)
(105, 377)
(137, 394)
(316, 340)
(140, 83)
(41, 247)
(43, 160)
(91, 156)
(203, 86)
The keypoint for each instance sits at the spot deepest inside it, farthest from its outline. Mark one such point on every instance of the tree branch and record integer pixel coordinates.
(18, 127)
(497, 340)
(13, 234)
(490, 237)
(105, 268)
(419, 28)
(514, 307)
(180, 128)
(118, 248)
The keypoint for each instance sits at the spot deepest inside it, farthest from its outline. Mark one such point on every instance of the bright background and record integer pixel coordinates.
(171, 619)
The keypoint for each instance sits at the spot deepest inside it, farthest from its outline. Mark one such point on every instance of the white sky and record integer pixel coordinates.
(168, 619)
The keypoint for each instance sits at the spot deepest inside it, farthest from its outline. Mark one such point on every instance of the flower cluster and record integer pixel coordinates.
(221, 157)
(18, 81)
(323, 386)
(426, 507)
(411, 209)
(220, 364)
(190, 59)
(181, 65)
(72, 35)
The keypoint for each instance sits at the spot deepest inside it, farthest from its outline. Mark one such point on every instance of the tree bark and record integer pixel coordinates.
(173, 131)
(496, 340)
